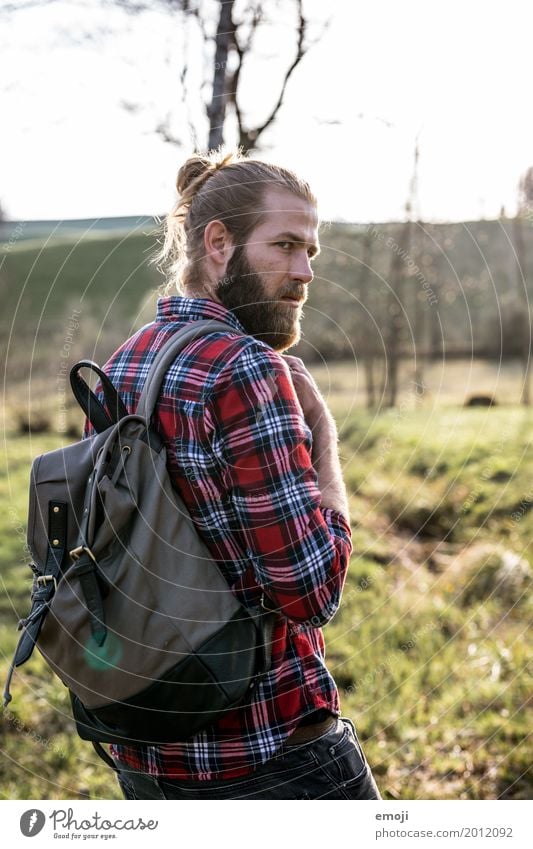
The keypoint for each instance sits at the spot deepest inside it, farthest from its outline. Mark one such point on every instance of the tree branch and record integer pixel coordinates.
(249, 138)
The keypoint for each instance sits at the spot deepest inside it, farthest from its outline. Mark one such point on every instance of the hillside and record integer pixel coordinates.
(457, 291)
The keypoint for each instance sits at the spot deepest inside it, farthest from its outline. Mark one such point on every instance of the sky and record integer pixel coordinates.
(452, 75)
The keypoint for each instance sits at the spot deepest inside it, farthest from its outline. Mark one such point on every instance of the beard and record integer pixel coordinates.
(243, 291)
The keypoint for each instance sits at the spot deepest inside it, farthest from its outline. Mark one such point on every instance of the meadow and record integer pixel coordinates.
(429, 648)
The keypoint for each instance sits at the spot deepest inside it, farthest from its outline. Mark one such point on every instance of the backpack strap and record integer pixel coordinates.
(166, 356)
(88, 401)
(44, 587)
(265, 618)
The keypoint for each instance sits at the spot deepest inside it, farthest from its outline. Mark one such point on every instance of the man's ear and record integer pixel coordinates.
(218, 245)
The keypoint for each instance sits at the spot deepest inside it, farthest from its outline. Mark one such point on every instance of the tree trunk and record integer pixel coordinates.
(370, 380)
(420, 316)
(525, 328)
(395, 312)
(367, 331)
(217, 107)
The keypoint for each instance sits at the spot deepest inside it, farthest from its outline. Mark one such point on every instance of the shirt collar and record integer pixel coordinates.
(176, 307)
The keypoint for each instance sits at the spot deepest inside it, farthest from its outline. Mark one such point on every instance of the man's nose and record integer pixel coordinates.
(301, 269)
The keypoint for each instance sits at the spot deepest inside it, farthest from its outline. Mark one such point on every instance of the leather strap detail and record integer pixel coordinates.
(85, 570)
(44, 587)
(95, 411)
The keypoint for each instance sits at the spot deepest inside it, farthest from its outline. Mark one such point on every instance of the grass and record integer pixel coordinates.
(429, 648)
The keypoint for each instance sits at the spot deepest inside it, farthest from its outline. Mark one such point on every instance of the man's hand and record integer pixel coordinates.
(325, 455)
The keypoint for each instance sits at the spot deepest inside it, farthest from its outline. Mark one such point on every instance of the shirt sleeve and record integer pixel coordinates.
(299, 551)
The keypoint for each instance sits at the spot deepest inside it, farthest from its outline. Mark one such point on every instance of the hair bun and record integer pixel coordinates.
(191, 171)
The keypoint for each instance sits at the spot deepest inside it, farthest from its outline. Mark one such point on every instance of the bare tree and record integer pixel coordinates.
(399, 272)
(368, 306)
(228, 31)
(233, 47)
(249, 137)
(395, 311)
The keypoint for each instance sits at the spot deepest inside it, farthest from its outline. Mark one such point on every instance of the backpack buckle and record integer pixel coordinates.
(76, 553)
(45, 579)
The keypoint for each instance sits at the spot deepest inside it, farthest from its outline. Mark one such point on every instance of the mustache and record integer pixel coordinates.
(299, 294)
(249, 280)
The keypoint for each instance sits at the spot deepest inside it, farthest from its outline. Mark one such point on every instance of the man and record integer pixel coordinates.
(252, 449)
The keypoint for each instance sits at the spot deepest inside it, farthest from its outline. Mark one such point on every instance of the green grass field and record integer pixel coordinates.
(430, 647)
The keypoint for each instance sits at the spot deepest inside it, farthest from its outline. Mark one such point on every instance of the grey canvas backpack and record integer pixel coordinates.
(128, 607)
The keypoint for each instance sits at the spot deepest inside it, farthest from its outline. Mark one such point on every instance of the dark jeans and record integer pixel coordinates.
(332, 766)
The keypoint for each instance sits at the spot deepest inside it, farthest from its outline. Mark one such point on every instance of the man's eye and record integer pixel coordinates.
(282, 244)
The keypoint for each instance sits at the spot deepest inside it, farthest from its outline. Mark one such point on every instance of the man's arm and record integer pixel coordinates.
(299, 547)
(325, 453)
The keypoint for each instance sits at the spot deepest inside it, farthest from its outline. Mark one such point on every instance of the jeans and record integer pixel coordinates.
(332, 766)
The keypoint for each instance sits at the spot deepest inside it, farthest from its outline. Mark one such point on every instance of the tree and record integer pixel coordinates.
(367, 322)
(231, 47)
(401, 262)
(228, 30)
(525, 194)
(524, 212)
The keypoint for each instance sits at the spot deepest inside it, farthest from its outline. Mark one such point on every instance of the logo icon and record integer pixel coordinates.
(32, 822)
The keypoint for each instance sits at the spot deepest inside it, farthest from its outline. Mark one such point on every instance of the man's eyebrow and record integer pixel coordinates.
(294, 237)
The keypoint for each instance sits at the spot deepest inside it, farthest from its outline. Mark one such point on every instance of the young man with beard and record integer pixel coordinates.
(266, 493)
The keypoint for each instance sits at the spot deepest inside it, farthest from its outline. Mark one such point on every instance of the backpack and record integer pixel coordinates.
(128, 606)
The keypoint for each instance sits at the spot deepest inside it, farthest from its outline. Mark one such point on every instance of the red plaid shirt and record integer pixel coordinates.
(238, 452)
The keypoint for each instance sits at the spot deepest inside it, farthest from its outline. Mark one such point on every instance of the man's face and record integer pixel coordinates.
(266, 279)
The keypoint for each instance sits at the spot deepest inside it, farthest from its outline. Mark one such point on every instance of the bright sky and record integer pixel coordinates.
(455, 73)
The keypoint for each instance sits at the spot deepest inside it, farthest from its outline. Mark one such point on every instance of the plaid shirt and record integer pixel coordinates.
(238, 452)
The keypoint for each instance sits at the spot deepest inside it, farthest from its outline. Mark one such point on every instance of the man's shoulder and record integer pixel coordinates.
(239, 359)
(216, 359)
(231, 349)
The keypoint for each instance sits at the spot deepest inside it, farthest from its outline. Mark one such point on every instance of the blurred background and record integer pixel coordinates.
(410, 121)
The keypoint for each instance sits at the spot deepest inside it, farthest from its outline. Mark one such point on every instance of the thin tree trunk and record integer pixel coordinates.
(217, 107)
(395, 313)
(525, 329)
(420, 316)
(366, 335)
(369, 380)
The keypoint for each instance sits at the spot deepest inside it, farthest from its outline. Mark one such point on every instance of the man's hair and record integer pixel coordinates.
(224, 186)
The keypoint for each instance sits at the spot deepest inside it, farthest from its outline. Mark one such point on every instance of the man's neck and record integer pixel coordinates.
(201, 292)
